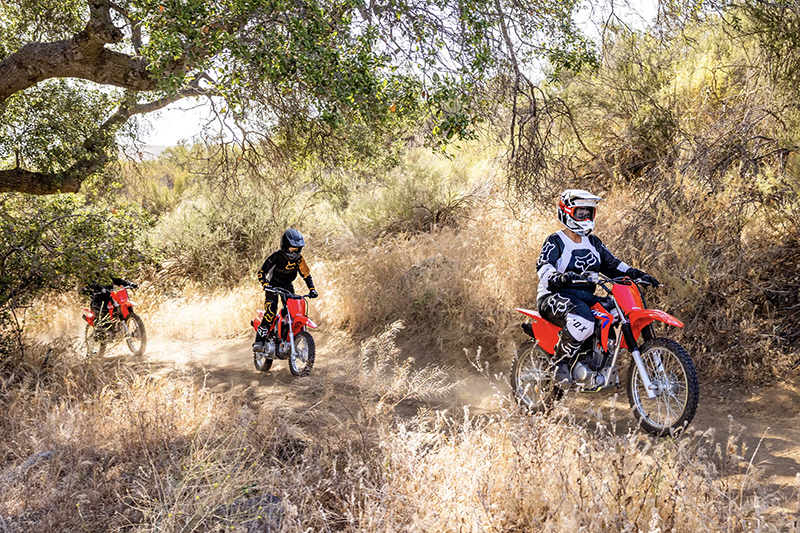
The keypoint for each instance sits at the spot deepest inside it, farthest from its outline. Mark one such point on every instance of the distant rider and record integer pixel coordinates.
(280, 270)
(99, 289)
(564, 298)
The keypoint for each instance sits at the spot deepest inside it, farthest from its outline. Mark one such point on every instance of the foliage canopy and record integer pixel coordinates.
(302, 72)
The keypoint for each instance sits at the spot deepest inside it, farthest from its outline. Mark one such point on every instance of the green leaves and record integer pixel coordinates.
(44, 127)
(57, 242)
(309, 69)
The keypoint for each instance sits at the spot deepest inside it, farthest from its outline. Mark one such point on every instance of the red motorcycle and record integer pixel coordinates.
(121, 322)
(662, 383)
(287, 337)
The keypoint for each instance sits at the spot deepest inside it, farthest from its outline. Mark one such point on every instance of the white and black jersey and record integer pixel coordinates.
(561, 254)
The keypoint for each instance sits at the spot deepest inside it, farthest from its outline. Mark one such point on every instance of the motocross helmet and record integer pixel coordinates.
(292, 239)
(576, 210)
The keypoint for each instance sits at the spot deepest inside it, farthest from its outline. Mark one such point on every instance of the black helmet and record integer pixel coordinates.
(292, 239)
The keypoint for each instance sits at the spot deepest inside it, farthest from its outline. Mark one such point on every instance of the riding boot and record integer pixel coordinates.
(563, 356)
(261, 336)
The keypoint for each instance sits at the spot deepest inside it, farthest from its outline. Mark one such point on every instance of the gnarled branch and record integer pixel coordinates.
(82, 56)
(97, 147)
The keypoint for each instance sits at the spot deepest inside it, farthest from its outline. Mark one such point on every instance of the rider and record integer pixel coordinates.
(99, 289)
(564, 297)
(279, 270)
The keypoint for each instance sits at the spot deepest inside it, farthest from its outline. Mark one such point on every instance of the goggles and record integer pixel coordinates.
(579, 212)
(583, 213)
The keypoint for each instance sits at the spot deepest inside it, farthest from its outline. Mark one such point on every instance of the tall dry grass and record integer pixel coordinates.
(453, 287)
(186, 311)
(90, 446)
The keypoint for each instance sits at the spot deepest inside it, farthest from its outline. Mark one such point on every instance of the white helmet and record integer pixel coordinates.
(576, 210)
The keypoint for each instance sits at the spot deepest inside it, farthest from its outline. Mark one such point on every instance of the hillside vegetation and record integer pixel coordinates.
(689, 132)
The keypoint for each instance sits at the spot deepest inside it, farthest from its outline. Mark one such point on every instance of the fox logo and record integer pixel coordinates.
(584, 263)
(547, 249)
(557, 306)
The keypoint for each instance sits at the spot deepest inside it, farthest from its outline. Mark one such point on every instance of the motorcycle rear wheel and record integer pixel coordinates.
(261, 361)
(136, 337)
(302, 363)
(671, 369)
(532, 379)
(94, 346)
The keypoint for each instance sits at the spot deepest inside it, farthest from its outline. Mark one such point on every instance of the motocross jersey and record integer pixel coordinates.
(561, 254)
(279, 271)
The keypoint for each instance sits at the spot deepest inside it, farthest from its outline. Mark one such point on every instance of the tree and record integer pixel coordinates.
(303, 70)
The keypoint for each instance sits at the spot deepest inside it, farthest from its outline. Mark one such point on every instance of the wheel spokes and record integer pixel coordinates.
(534, 383)
(667, 374)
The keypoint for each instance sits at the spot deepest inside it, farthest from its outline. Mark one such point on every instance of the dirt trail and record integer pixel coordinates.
(766, 418)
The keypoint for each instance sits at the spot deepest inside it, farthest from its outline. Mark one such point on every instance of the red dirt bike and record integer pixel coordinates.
(287, 337)
(662, 383)
(121, 321)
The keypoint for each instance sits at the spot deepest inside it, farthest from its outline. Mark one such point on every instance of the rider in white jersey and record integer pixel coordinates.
(564, 297)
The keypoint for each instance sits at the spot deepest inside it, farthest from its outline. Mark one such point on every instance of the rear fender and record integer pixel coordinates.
(541, 330)
(88, 316)
(258, 319)
(641, 318)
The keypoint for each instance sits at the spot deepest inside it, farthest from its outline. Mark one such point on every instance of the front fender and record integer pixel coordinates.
(298, 322)
(641, 318)
(126, 307)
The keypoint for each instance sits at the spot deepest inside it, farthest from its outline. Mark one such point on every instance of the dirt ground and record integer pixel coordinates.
(765, 419)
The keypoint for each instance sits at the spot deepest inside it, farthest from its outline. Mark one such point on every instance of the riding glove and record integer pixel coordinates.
(560, 281)
(641, 277)
(313, 293)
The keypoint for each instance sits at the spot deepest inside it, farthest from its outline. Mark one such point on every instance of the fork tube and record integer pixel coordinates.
(637, 358)
(617, 347)
(291, 331)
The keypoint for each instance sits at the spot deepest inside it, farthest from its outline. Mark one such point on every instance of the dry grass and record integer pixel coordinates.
(189, 312)
(129, 449)
(454, 287)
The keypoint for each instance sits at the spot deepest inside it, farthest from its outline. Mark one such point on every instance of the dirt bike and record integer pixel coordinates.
(662, 383)
(121, 321)
(287, 337)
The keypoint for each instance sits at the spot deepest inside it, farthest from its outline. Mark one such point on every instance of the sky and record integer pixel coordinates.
(185, 119)
(182, 120)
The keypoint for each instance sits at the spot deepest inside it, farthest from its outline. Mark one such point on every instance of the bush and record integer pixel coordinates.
(220, 239)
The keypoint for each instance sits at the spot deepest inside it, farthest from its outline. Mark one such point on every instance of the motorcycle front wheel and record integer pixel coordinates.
(136, 336)
(95, 341)
(677, 388)
(302, 361)
(532, 379)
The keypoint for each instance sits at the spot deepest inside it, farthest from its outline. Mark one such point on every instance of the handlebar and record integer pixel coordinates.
(109, 291)
(285, 293)
(602, 280)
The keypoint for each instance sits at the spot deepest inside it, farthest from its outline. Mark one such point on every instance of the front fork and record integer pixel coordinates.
(118, 314)
(637, 358)
(291, 334)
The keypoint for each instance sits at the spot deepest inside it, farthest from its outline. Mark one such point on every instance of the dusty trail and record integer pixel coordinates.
(766, 419)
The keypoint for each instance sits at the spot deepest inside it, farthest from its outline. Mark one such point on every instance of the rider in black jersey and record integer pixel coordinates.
(566, 257)
(279, 270)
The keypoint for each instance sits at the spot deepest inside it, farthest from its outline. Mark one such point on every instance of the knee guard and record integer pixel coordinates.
(579, 327)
